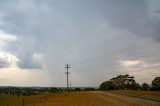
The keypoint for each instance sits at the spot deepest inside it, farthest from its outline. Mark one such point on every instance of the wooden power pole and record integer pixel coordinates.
(67, 66)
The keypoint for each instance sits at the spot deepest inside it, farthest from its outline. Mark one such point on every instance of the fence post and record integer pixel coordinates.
(33, 102)
(23, 102)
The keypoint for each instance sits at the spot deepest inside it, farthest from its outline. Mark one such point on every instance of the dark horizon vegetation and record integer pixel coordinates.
(121, 82)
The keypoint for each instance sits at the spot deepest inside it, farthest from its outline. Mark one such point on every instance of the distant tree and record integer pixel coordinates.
(6, 92)
(18, 94)
(89, 89)
(77, 89)
(107, 85)
(136, 86)
(145, 87)
(29, 92)
(11, 93)
(156, 84)
(53, 90)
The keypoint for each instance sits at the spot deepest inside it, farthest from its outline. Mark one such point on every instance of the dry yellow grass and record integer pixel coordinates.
(76, 99)
(146, 93)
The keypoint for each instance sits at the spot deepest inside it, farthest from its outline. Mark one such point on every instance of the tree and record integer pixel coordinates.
(120, 82)
(124, 82)
(89, 89)
(53, 90)
(107, 85)
(77, 89)
(134, 86)
(145, 87)
(156, 84)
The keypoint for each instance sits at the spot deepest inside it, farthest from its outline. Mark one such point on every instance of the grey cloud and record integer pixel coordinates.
(7, 60)
(27, 62)
(76, 31)
(4, 63)
(134, 15)
(138, 16)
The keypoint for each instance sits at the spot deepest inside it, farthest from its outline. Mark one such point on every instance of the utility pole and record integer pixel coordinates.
(67, 66)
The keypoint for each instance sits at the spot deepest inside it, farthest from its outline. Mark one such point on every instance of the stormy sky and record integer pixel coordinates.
(100, 39)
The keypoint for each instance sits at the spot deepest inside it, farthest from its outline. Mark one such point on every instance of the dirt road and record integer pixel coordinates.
(97, 99)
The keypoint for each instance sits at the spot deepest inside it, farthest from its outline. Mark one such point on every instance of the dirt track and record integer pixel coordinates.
(98, 99)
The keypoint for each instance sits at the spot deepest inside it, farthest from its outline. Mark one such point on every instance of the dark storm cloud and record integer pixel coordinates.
(52, 33)
(138, 16)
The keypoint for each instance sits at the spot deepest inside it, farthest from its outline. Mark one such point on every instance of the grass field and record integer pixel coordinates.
(95, 98)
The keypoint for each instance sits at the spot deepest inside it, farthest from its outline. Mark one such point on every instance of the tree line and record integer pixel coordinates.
(127, 82)
(28, 91)
(120, 82)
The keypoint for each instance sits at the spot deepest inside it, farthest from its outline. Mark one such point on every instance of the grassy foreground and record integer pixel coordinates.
(95, 98)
